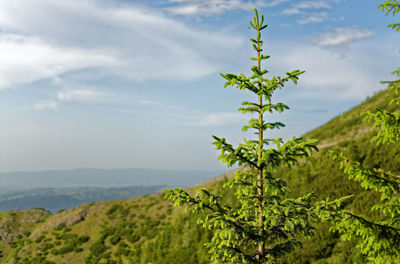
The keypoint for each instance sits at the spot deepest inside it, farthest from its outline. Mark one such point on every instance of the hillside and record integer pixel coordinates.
(150, 230)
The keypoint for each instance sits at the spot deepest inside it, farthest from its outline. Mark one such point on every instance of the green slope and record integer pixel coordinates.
(149, 230)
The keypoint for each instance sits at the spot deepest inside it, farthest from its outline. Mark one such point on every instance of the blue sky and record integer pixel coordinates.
(135, 84)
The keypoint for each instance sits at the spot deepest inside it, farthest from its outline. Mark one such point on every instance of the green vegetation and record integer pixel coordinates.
(261, 224)
(377, 237)
(150, 230)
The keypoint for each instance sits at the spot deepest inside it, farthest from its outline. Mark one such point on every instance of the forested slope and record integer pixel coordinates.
(149, 230)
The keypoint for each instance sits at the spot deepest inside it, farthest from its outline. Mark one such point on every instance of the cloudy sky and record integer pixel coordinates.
(135, 84)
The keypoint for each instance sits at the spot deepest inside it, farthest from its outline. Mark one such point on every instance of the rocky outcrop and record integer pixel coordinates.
(14, 224)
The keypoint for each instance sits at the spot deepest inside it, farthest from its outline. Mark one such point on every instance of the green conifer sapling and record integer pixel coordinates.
(264, 225)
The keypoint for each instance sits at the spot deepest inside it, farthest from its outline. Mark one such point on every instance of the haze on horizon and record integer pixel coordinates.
(135, 84)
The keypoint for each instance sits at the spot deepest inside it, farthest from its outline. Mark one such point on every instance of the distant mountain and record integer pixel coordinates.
(65, 189)
(102, 178)
(52, 203)
(55, 199)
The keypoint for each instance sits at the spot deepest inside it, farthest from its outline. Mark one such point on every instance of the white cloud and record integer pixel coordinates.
(307, 11)
(273, 3)
(80, 95)
(43, 105)
(69, 96)
(59, 37)
(212, 7)
(221, 119)
(331, 77)
(341, 37)
(292, 11)
(313, 5)
(28, 59)
(303, 6)
(313, 18)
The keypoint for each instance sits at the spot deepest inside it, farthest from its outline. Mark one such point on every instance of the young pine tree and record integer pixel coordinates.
(379, 241)
(264, 225)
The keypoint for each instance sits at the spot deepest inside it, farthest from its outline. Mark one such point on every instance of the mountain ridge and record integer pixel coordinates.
(103, 178)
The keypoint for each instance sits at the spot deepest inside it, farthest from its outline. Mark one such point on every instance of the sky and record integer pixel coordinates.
(136, 84)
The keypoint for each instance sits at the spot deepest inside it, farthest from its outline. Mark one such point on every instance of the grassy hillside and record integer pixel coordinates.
(142, 230)
(149, 230)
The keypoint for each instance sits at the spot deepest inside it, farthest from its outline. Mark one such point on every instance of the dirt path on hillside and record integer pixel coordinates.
(356, 135)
